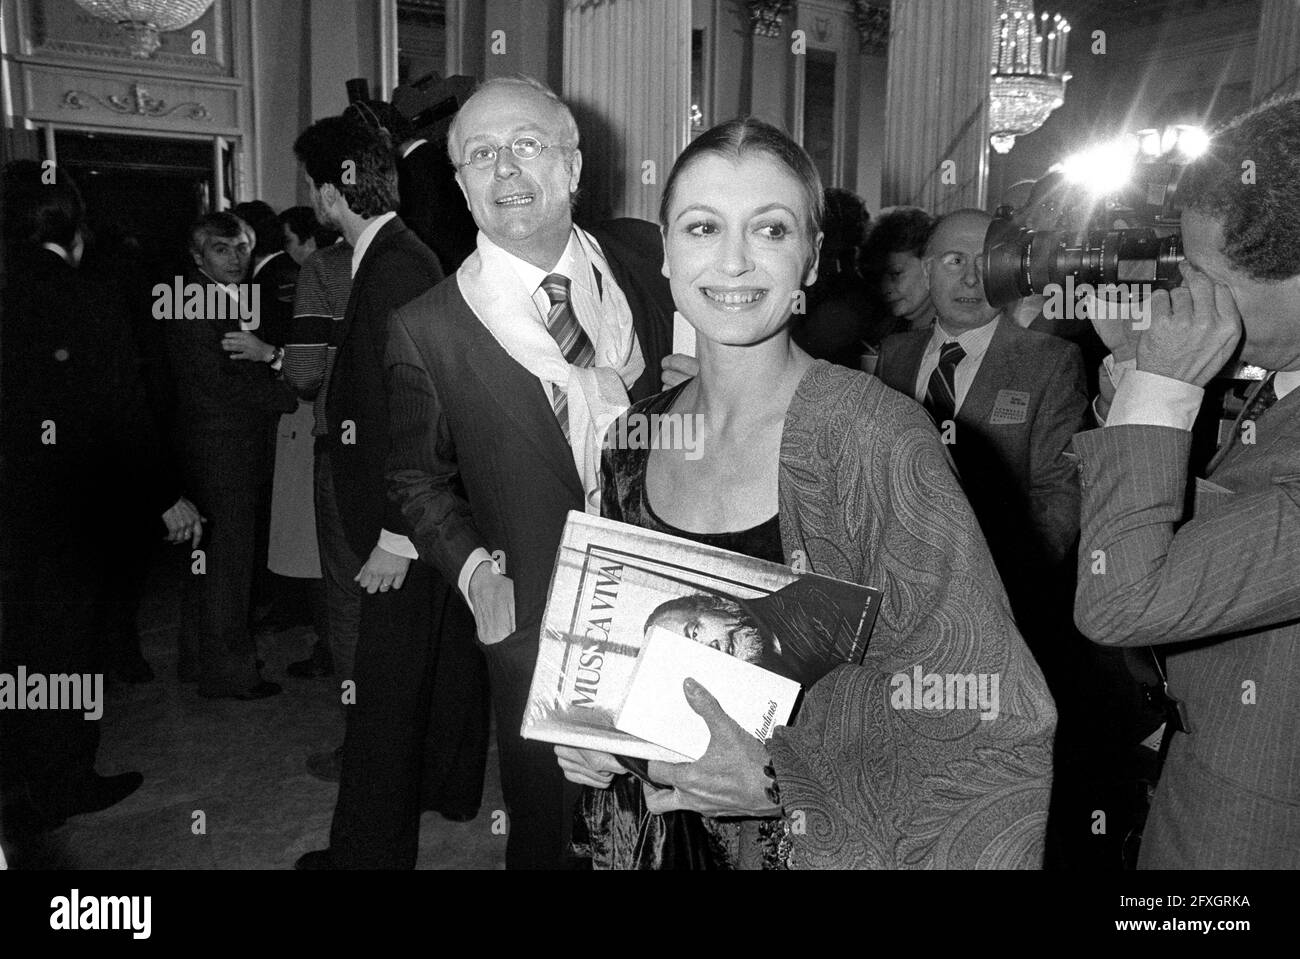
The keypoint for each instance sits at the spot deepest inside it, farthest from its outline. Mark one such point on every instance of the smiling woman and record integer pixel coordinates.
(798, 460)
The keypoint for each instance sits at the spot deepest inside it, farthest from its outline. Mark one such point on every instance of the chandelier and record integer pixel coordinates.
(765, 16)
(145, 20)
(1029, 73)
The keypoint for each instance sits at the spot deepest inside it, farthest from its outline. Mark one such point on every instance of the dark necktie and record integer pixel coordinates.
(573, 342)
(941, 392)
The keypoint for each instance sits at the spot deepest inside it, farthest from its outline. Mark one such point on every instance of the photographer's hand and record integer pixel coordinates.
(1194, 330)
(1116, 327)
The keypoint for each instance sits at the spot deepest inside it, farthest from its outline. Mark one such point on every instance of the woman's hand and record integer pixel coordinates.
(588, 767)
(242, 345)
(728, 780)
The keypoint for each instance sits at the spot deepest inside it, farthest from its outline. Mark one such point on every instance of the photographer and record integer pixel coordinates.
(1219, 578)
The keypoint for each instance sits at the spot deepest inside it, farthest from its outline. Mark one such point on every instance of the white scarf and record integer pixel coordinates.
(597, 394)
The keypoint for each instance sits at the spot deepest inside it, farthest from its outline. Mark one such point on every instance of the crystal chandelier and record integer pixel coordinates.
(1029, 73)
(145, 20)
(765, 16)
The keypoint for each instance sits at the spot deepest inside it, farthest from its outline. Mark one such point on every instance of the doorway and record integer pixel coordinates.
(141, 195)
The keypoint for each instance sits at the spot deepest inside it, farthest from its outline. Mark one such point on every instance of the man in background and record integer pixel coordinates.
(414, 648)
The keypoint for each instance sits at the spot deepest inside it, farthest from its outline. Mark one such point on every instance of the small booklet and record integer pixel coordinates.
(614, 584)
(656, 708)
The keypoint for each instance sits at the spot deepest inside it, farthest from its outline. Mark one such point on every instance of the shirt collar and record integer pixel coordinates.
(258, 269)
(974, 343)
(58, 250)
(573, 263)
(1284, 383)
(367, 235)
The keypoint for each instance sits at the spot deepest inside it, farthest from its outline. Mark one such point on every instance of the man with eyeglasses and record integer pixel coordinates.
(498, 379)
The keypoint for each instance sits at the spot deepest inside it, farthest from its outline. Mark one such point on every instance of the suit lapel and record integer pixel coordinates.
(1280, 423)
(909, 361)
(522, 399)
(387, 233)
(994, 374)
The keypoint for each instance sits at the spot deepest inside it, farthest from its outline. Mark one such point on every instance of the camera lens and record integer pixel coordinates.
(1022, 262)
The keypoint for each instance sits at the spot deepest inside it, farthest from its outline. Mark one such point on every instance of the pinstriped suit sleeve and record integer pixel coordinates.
(1231, 567)
(423, 476)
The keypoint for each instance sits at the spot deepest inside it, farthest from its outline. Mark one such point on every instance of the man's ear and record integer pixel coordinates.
(926, 262)
(810, 276)
(198, 257)
(663, 233)
(329, 195)
(460, 182)
(575, 170)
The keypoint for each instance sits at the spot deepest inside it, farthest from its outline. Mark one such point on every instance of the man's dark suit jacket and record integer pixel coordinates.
(1024, 491)
(69, 358)
(396, 269)
(478, 459)
(277, 280)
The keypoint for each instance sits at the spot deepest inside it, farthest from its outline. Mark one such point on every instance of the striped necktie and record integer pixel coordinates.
(569, 336)
(941, 393)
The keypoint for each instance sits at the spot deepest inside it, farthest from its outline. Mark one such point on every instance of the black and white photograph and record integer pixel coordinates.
(389, 387)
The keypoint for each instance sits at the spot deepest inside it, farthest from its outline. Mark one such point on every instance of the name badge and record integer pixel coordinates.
(1011, 406)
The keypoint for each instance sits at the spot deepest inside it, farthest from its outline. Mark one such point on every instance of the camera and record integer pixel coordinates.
(1020, 262)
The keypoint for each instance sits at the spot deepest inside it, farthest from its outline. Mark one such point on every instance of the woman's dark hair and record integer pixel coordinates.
(902, 229)
(745, 136)
(355, 159)
(40, 206)
(302, 221)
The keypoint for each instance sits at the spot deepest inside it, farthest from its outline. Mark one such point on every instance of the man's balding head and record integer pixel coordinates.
(522, 204)
(954, 268)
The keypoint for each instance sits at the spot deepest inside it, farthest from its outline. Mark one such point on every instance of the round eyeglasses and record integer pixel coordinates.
(524, 148)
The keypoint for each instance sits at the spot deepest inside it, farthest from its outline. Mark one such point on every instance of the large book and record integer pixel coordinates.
(613, 583)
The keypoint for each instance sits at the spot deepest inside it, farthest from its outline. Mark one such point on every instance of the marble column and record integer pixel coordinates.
(1277, 55)
(627, 77)
(936, 104)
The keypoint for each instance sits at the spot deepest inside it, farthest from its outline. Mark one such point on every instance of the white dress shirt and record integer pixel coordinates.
(258, 269)
(974, 342)
(584, 299)
(413, 146)
(1149, 399)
